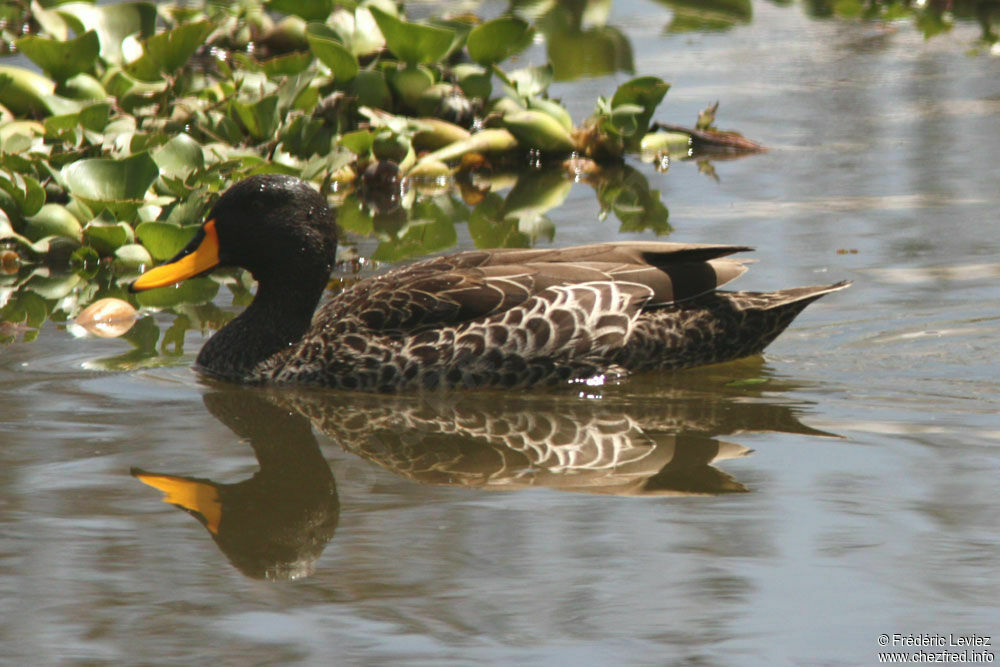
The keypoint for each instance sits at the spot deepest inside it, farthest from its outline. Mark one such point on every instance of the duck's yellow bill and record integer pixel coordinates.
(200, 256)
(197, 497)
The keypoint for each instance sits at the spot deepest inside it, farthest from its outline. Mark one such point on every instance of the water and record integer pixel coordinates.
(867, 505)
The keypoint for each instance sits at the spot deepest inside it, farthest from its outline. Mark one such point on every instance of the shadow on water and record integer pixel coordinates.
(626, 440)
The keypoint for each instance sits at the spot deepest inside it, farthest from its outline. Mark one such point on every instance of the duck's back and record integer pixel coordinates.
(524, 317)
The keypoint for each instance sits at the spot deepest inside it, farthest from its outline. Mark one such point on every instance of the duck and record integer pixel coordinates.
(507, 318)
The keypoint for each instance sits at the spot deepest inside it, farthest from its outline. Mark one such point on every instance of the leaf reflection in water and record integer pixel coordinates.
(658, 443)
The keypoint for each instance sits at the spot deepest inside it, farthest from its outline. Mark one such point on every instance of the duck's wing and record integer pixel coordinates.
(450, 290)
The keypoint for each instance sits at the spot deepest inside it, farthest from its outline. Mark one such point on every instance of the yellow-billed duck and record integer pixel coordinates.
(507, 318)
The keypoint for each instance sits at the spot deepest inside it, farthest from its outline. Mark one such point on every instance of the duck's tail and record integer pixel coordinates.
(716, 327)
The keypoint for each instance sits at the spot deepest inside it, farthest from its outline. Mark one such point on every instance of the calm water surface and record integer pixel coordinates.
(784, 510)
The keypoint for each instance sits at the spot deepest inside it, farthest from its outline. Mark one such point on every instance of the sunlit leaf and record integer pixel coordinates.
(168, 51)
(193, 291)
(324, 44)
(106, 236)
(53, 220)
(413, 43)
(61, 60)
(119, 185)
(163, 240)
(24, 92)
(112, 23)
(530, 81)
(310, 10)
(497, 40)
(645, 92)
(259, 118)
(179, 156)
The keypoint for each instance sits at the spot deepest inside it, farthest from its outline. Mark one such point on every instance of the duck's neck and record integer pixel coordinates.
(277, 318)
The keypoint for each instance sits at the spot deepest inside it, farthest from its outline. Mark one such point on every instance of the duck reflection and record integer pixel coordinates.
(277, 523)
(628, 440)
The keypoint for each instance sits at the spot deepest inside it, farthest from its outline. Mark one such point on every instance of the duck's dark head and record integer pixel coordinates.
(276, 227)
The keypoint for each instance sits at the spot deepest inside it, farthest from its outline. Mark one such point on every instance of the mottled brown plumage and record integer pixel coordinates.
(479, 318)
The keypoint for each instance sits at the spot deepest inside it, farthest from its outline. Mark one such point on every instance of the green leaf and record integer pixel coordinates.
(358, 142)
(193, 291)
(24, 92)
(132, 257)
(259, 118)
(119, 185)
(325, 45)
(106, 236)
(371, 89)
(413, 43)
(530, 81)
(285, 65)
(310, 10)
(112, 23)
(169, 51)
(163, 240)
(61, 60)
(179, 156)
(645, 92)
(497, 40)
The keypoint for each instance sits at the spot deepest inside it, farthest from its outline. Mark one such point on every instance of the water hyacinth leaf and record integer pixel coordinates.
(53, 220)
(132, 257)
(624, 119)
(25, 192)
(646, 92)
(554, 109)
(539, 130)
(325, 45)
(82, 87)
(358, 142)
(120, 185)
(530, 81)
(494, 41)
(163, 240)
(490, 140)
(259, 118)
(179, 156)
(413, 43)
(112, 23)
(475, 81)
(410, 83)
(105, 235)
(310, 10)
(95, 117)
(371, 89)
(192, 291)
(285, 65)
(168, 51)
(62, 59)
(24, 92)
(358, 31)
